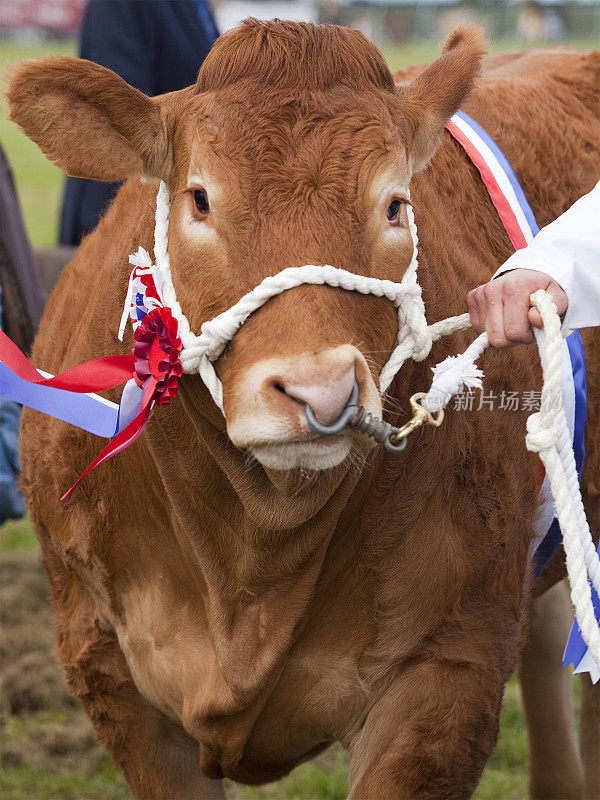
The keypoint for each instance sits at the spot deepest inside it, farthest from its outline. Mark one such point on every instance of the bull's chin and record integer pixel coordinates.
(316, 455)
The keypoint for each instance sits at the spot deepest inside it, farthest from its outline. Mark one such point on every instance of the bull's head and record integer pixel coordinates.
(294, 147)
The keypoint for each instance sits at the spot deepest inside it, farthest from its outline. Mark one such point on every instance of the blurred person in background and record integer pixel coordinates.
(157, 46)
(21, 303)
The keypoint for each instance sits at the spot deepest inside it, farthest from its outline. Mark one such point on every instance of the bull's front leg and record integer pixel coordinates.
(431, 733)
(158, 758)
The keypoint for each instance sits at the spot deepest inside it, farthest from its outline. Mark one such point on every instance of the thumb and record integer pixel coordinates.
(534, 318)
(558, 294)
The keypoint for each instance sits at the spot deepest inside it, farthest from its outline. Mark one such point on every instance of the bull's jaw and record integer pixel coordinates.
(300, 466)
(293, 483)
(294, 468)
(316, 455)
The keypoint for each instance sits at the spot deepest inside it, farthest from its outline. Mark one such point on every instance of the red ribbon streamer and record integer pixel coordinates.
(123, 439)
(154, 363)
(92, 376)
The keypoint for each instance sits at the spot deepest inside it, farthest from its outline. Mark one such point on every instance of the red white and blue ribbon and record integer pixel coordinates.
(519, 221)
(150, 374)
(501, 182)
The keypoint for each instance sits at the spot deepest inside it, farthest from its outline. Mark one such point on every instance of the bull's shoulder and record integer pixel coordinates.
(538, 65)
(542, 108)
(540, 88)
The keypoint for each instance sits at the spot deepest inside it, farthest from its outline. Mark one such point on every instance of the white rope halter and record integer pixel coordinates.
(415, 337)
(547, 429)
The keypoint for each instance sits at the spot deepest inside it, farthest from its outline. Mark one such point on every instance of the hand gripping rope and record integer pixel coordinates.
(547, 431)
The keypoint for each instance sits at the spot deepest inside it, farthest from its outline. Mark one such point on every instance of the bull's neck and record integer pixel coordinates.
(259, 552)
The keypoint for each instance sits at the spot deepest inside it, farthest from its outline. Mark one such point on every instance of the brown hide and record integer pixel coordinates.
(381, 603)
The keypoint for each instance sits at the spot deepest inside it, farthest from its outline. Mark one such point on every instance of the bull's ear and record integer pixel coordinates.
(431, 98)
(89, 121)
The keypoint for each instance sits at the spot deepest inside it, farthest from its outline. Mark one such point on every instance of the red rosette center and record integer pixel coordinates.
(156, 352)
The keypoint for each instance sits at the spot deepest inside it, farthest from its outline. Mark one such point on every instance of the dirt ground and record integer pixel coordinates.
(33, 688)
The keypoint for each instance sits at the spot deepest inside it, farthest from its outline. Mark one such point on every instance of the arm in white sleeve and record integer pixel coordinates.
(569, 251)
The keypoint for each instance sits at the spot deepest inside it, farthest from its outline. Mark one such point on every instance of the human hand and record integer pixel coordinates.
(502, 308)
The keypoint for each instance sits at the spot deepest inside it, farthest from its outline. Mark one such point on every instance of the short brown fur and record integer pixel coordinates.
(206, 609)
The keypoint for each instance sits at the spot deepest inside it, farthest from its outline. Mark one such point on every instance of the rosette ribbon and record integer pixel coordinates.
(151, 373)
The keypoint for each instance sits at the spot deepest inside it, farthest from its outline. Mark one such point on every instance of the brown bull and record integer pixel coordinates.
(233, 596)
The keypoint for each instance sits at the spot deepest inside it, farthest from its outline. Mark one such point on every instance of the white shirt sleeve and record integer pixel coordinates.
(569, 251)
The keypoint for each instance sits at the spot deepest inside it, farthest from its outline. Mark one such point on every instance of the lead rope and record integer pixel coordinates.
(547, 431)
(548, 435)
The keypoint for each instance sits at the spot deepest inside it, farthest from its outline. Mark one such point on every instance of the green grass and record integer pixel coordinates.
(17, 534)
(29, 783)
(106, 783)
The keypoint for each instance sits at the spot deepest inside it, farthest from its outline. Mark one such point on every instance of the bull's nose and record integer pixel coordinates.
(326, 390)
(265, 406)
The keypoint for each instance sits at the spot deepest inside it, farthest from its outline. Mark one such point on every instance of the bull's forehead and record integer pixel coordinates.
(331, 147)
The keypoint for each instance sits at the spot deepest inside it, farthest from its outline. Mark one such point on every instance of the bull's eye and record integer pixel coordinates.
(201, 200)
(393, 210)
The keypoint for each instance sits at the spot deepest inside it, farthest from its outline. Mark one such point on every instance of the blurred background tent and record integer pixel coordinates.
(384, 21)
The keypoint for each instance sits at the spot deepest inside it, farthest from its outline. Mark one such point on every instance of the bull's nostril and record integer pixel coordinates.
(325, 387)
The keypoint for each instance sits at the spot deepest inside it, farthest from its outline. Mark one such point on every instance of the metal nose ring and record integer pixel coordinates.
(347, 415)
(361, 420)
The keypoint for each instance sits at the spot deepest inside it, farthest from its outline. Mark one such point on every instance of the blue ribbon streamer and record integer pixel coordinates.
(89, 412)
(553, 539)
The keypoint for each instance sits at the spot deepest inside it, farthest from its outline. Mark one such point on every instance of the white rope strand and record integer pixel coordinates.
(547, 435)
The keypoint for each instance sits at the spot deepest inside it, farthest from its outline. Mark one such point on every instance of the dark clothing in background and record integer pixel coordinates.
(12, 505)
(21, 305)
(21, 291)
(156, 46)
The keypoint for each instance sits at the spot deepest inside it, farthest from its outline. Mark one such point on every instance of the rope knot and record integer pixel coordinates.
(420, 334)
(540, 437)
(422, 345)
(215, 334)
